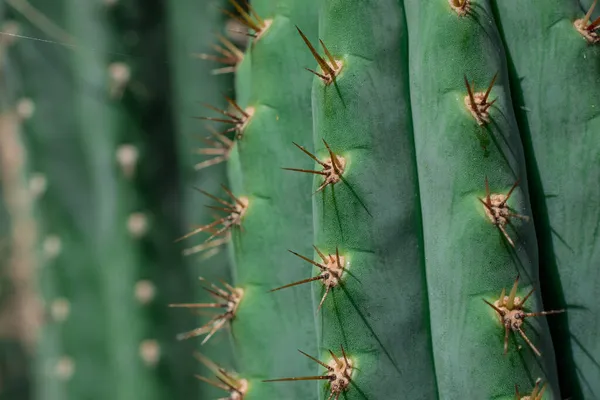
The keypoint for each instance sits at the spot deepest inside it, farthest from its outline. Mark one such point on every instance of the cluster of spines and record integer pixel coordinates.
(509, 309)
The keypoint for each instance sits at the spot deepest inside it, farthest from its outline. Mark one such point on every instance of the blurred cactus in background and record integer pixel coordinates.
(321, 199)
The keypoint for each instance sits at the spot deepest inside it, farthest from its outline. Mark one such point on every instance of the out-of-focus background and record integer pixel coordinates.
(98, 147)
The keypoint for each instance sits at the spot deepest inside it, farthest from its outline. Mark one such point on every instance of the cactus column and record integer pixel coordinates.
(193, 82)
(555, 62)
(96, 343)
(368, 212)
(476, 241)
(269, 327)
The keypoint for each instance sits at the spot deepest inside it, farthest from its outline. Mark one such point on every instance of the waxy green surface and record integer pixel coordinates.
(467, 258)
(380, 314)
(555, 73)
(269, 327)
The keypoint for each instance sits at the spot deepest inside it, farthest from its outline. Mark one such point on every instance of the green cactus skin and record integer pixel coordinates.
(269, 327)
(93, 351)
(467, 258)
(379, 314)
(560, 124)
(192, 27)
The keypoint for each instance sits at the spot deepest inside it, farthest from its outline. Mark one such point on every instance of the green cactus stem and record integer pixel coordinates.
(477, 235)
(554, 61)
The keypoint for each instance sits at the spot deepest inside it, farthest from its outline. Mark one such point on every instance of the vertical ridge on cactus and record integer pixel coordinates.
(555, 73)
(465, 259)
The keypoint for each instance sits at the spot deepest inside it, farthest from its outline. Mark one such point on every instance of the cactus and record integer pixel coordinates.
(560, 34)
(101, 228)
(396, 218)
(427, 280)
(197, 81)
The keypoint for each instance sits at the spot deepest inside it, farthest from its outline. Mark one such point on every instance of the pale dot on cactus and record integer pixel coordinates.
(110, 3)
(60, 309)
(127, 157)
(137, 224)
(52, 246)
(37, 184)
(25, 108)
(145, 291)
(150, 352)
(64, 368)
(120, 74)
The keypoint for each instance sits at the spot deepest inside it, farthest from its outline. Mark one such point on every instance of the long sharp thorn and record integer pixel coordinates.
(320, 254)
(514, 186)
(499, 311)
(344, 354)
(317, 361)
(334, 160)
(517, 395)
(237, 107)
(322, 63)
(489, 89)
(214, 330)
(323, 298)
(336, 359)
(471, 96)
(329, 56)
(488, 198)
(337, 257)
(247, 18)
(314, 278)
(313, 262)
(215, 198)
(198, 305)
(527, 297)
(211, 382)
(308, 153)
(234, 117)
(506, 235)
(302, 378)
(588, 15)
(231, 47)
(225, 121)
(261, 22)
(308, 171)
(232, 195)
(201, 229)
(526, 339)
(542, 313)
(325, 78)
(594, 25)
